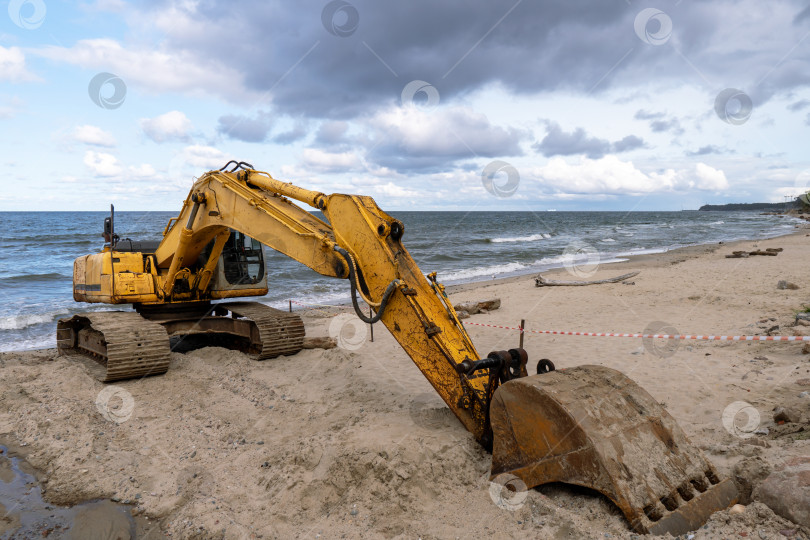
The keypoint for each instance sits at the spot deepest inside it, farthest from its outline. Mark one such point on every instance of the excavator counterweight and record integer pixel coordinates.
(589, 426)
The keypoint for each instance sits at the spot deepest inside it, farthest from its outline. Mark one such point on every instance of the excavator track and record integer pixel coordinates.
(116, 345)
(279, 332)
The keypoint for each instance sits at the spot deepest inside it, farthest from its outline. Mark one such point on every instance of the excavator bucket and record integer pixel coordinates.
(592, 426)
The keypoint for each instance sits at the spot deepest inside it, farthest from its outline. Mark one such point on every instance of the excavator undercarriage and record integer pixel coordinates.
(124, 345)
(589, 425)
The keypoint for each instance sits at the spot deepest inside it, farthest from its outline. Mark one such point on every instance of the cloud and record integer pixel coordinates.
(799, 105)
(331, 133)
(295, 134)
(204, 157)
(245, 128)
(12, 65)
(330, 162)
(706, 150)
(412, 138)
(659, 123)
(670, 124)
(173, 125)
(647, 115)
(156, 71)
(611, 176)
(560, 143)
(144, 170)
(94, 136)
(102, 164)
(588, 45)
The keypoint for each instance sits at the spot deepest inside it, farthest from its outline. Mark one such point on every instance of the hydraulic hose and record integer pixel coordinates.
(353, 283)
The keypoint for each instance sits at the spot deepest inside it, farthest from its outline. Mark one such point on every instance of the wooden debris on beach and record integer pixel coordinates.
(540, 281)
(770, 252)
(319, 343)
(471, 308)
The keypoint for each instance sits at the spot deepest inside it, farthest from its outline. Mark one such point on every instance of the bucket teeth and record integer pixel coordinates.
(594, 427)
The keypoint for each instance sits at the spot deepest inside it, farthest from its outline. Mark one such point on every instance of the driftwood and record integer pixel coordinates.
(319, 343)
(540, 281)
(771, 252)
(471, 308)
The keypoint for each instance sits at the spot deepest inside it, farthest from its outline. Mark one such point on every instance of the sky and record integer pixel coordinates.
(454, 105)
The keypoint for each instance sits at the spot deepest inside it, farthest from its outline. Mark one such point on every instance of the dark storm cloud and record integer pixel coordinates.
(245, 128)
(285, 50)
(295, 134)
(331, 133)
(560, 143)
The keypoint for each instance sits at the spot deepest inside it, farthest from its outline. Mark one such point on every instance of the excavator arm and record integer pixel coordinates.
(361, 243)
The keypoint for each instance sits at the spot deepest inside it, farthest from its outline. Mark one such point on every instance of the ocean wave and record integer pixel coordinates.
(718, 223)
(19, 322)
(531, 238)
(608, 240)
(22, 278)
(482, 271)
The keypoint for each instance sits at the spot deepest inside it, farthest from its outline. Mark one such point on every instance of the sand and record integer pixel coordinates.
(353, 442)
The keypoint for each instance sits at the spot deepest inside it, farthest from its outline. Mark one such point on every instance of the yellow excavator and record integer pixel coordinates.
(589, 425)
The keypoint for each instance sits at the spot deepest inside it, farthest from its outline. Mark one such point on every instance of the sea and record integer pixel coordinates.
(37, 250)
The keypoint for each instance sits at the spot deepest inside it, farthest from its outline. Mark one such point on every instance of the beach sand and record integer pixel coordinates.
(356, 444)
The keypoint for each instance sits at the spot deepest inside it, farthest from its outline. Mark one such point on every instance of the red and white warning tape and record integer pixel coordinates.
(305, 304)
(653, 336)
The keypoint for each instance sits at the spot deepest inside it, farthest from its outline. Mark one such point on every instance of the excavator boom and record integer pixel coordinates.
(589, 425)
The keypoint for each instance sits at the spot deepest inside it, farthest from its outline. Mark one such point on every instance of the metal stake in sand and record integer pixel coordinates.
(522, 328)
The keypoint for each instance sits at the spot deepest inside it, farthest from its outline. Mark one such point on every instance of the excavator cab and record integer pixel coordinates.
(242, 260)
